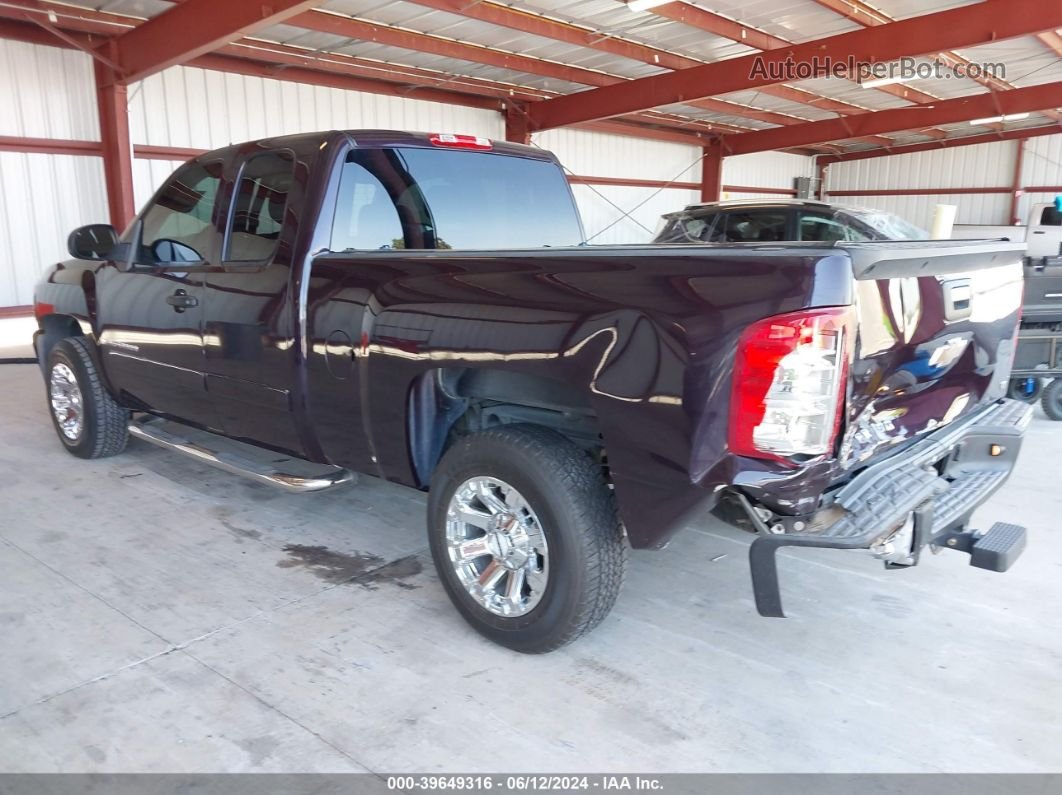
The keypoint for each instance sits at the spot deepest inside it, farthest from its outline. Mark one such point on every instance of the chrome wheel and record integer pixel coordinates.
(497, 546)
(65, 396)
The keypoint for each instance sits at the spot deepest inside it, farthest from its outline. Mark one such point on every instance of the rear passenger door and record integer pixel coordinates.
(248, 309)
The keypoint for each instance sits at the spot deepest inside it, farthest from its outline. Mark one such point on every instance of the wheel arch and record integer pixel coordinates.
(446, 402)
(50, 330)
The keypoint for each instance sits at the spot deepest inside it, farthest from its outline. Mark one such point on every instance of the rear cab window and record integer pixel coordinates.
(437, 198)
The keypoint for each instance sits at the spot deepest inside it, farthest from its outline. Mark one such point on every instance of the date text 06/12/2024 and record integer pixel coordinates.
(524, 783)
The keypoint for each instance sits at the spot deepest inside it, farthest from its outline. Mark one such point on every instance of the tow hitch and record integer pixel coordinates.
(897, 507)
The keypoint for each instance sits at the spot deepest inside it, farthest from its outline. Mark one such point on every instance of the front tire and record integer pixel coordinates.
(88, 421)
(525, 537)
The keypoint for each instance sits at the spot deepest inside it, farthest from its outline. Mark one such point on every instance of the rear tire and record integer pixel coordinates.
(558, 495)
(1027, 390)
(1052, 400)
(88, 421)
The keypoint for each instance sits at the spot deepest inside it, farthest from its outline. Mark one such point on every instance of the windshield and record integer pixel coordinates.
(891, 227)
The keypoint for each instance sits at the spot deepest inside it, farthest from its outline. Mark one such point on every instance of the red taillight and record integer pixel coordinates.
(460, 141)
(41, 309)
(789, 384)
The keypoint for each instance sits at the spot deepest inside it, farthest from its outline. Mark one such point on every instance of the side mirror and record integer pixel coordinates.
(92, 242)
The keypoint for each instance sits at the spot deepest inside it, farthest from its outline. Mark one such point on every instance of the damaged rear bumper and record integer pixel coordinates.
(923, 495)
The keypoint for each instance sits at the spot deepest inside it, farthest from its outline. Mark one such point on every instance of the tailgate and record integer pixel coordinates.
(937, 321)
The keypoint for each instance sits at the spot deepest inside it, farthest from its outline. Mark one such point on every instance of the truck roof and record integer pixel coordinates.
(759, 203)
(387, 138)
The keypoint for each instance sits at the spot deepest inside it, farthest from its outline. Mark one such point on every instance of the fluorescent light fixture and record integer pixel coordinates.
(642, 5)
(884, 81)
(994, 119)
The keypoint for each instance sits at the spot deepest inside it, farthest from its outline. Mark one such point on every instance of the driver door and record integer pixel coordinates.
(151, 316)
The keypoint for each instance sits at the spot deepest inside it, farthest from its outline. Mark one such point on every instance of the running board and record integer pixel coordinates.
(265, 466)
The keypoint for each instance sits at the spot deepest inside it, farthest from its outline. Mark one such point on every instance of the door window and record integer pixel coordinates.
(181, 223)
(752, 226)
(690, 228)
(258, 207)
(1050, 217)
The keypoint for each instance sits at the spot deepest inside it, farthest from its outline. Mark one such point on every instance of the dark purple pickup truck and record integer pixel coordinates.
(422, 308)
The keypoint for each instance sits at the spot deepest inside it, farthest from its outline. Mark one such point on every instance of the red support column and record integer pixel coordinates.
(517, 129)
(1015, 187)
(712, 172)
(112, 103)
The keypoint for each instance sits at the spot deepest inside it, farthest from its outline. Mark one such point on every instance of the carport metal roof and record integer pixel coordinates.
(529, 56)
(691, 72)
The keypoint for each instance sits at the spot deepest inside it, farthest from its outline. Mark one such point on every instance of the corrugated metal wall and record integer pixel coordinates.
(615, 214)
(989, 165)
(766, 170)
(190, 107)
(621, 214)
(45, 92)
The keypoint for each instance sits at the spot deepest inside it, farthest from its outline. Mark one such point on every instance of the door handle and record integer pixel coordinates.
(181, 301)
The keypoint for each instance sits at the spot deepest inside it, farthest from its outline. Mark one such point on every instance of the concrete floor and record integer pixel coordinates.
(158, 615)
(16, 337)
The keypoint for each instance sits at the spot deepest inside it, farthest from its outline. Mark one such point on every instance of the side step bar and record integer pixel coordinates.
(265, 466)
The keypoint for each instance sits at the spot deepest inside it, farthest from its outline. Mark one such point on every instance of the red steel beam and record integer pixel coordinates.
(635, 130)
(396, 80)
(752, 37)
(49, 146)
(965, 140)
(859, 12)
(950, 111)
(659, 183)
(364, 30)
(754, 189)
(112, 104)
(711, 172)
(296, 74)
(525, 22)
(272, 61)
(148, 152)
(193, 28)
(991, 20)
(634, 183)
(1052, 40)
(1015, 184)
(916, 191)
